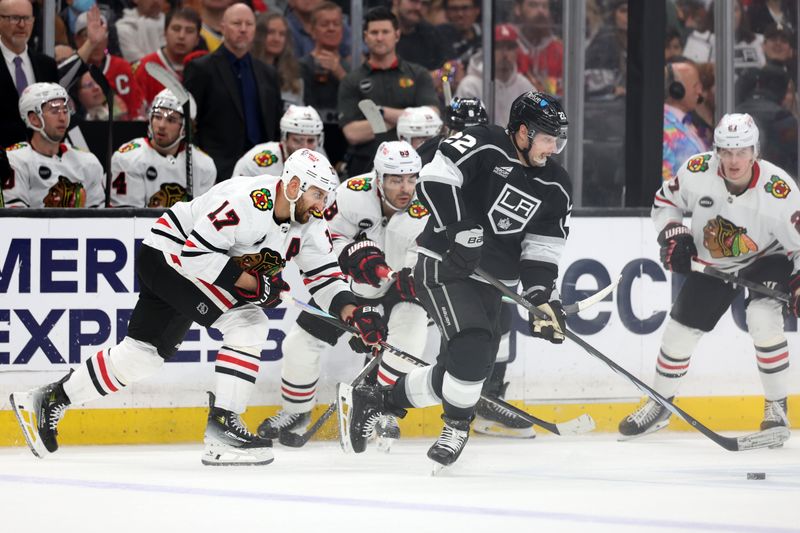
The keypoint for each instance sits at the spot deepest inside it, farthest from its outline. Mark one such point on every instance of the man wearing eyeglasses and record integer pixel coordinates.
(21, 67)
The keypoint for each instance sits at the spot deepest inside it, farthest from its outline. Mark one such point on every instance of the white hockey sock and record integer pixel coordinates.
(94, 379)
(419, 387)
(408, 331)
(773, 369)
(669, 371)
(236, 371)
(300, 371)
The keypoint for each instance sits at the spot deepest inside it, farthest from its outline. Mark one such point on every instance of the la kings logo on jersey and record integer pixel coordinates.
(512, 210)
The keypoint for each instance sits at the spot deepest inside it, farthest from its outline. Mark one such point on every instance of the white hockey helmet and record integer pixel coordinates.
(311, 168)
(302, 120)
(736, 130)
(35, 96)
(396, 158)
(418, 122)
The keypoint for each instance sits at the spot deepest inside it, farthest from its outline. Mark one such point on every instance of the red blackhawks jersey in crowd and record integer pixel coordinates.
(119, 74)
(232, 228)
(149, 85)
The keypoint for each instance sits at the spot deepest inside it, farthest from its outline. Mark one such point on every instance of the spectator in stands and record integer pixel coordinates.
(683, 92)
(90, 101)
(542, 52)
(47, 172)
(74, 8)
(117, 71)
(764, 13)
(390, 82)
(779, 49)
(462, 31)
(672, 46)
(298, 17)
(273, 46)
(322, 70)
(211, 13)
(703, 114)
(606, 56)
(508, 82)
(419, 43)
(21, 67)
(182, 35)
(151, 172)
(776, 123)
(238, 97)
(141, 29)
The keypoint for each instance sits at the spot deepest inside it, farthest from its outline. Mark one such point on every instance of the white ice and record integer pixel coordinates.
(664, 482)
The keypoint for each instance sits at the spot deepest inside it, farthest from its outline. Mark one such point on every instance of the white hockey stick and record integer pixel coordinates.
(373, 116)
(169, 81)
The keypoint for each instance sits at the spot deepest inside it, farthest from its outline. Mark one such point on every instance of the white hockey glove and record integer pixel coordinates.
(551, 328)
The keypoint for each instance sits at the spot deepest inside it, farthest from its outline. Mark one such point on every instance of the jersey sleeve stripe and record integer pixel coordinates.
(208, 244)
(166, 235)
(176, 223)
(663, 200)
(317, 288)
(193, 253)
(316, 271)
(216, 292)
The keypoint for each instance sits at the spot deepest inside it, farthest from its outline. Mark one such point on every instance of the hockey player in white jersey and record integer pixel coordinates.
(47, 172)
(745, 220)
(216, 261)
(418, 124)
(151, 171)
(301, 127)
(374, 223)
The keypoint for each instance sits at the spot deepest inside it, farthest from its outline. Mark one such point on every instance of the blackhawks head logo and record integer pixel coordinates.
(265, 158)
(723, 238)
(265, 260)
(417, 210)
(698, 164)
(777, 187)
(168, 195)
(65, 193)
(128, 147)
(359, 184)
(262, 199)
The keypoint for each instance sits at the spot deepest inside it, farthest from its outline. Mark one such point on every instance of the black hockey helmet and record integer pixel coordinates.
(541, 113)
(465, 112)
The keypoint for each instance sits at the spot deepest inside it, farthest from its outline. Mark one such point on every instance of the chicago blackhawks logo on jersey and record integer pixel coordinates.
(698, 164)
(65, 193)
(723, 238)
(128, 147)
(359, 184)
(16, 146)
(405, 83)
(262, 199)
(168, 195)
(777, 187)
(417, 210)
(266, 260)
(265, 158)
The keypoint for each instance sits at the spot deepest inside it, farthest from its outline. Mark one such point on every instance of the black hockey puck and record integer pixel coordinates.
(756, 475)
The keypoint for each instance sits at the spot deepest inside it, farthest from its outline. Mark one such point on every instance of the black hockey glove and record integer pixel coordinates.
(268, 290)
(551, 328)
(404, 285)
(794, 287)
(364, 262)
(369, 323)
(677, 248)
(464, 254)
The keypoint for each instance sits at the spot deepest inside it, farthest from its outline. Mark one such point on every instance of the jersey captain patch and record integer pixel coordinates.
(359, 184)
(262, 199)
(417, 210)
(777, 187)
(698, 164)
(265, 158)
(723, 238)
(512, 210)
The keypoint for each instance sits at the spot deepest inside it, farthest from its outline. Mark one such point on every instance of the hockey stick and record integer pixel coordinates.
(100, 79)
(169, 81)
(581, 424)
(761, 439)
(447, 91)
(373, 116)
(736, 280)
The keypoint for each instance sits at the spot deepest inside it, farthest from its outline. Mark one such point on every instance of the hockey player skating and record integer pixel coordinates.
(500, 202)
(418, 124)
(745, 220)
(47, 172)
(301, 127)
(216, 261)
(151, 171)
(374, 223)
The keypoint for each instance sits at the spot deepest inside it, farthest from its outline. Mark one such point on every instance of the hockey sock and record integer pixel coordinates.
(459, 396)
(300, 370)
(677, 346)
(236, 371)
(773, 369)
(416, 389)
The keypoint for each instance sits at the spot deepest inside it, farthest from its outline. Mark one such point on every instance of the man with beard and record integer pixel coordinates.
(542, 57)
(190, 270)
(151, 171)
(420, 42)
(47, 172)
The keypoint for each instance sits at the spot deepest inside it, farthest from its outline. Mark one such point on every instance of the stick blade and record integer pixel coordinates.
(167, 80)
(373, 116)
(577, 426)
(769, 438)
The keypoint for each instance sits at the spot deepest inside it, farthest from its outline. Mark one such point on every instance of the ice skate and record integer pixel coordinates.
(228, 441)
(38, 412)
(286, 427)
(448, 447)
(387, 431)
(648, 418)
(776, 414)
(495, 420)
(359, 411)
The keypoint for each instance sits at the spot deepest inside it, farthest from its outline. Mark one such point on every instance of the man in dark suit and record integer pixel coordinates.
(238, 97)
(21, 67)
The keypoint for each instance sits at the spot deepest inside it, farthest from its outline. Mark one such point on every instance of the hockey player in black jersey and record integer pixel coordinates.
(500, 202)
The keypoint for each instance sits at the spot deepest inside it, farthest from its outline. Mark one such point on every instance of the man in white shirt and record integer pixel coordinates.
(141, 29)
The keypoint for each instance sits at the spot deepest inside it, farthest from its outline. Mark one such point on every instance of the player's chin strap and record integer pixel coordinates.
(527, 149)
(44, 134)
(293, 202)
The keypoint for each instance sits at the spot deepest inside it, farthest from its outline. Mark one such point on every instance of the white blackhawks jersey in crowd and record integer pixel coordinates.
(732, 231)
(142, 177)
(71, 178)
(235, 220)
(358, 212)
(265, 158)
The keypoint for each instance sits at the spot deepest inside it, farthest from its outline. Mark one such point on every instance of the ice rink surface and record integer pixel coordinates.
(664, 482)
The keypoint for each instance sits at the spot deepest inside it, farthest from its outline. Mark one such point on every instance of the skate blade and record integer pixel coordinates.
(438, 469)
(498, 430)
(224, 455)
(384, 445)
(653, 429)
(24, 411)
(344, 401)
